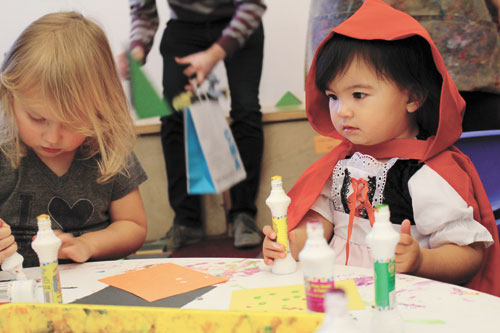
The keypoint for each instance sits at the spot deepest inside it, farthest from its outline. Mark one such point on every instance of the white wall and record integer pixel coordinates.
(285, 26)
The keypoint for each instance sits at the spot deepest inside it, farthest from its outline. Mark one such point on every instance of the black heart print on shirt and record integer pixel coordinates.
(70, 217)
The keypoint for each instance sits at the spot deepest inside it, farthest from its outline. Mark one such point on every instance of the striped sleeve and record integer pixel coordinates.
(246, 19)
(144, 23)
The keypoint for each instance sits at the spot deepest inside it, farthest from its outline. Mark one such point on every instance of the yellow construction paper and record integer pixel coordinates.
(287, 298)
(355, 302)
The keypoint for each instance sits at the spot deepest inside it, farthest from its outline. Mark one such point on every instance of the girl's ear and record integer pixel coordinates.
(412, 106)
(415, 102)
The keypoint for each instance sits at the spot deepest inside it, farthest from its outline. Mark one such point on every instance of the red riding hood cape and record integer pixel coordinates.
(377, 20)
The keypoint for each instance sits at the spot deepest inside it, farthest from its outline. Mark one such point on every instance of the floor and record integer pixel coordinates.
(211, 246)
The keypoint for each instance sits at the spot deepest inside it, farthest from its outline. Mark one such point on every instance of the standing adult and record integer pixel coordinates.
(199, 34)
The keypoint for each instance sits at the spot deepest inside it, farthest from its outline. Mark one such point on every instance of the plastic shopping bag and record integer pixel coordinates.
(213, 161)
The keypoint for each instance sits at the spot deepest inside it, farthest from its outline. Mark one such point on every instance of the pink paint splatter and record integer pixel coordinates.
(458, 291)
(363, 281)
(425, 283)
(411, 306)
(243, 267)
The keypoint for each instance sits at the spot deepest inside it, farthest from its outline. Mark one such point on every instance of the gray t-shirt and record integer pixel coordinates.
(75, 201)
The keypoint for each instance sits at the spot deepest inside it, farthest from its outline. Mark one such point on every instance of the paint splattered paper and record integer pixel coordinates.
(287, 298)
(162, 281)
(355, 302)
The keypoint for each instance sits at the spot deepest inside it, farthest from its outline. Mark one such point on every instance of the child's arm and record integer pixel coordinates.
(297, 237)
(7, 243)
(123, 236)
(448, 263)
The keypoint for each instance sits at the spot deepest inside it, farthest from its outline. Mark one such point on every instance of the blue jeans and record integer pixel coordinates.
(243, 70)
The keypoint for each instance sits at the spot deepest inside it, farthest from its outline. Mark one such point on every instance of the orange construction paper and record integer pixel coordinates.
(163, 280)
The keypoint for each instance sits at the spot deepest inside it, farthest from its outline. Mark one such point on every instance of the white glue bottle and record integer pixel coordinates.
(318, 266)
(14, 264)
(278, 203)
(382, 240)
(337, 318)
(20, 291)
(46, 246)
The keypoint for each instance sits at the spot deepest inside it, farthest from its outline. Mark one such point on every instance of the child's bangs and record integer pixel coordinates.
(340, 52)
(64, 107)
(52, 80)
(333, 61)
(72, 114)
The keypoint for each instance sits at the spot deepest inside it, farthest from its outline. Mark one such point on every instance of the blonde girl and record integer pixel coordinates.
(66, 143)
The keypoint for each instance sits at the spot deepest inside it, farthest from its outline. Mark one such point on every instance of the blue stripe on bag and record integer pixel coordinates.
(199, 179)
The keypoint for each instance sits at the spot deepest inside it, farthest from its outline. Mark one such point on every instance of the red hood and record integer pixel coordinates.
(377, 20)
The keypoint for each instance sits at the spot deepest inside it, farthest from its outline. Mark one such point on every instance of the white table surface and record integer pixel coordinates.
(425, 305)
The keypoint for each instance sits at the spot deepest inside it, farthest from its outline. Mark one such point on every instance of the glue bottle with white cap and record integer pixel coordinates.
(382, 240)
(14, 264)
(318, 265)
(278, 203)
(46, 246)
(337, 318)
(20, 291)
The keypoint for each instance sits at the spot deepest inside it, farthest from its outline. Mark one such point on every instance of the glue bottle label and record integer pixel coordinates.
(51, 282)
(385, 278)
(316, 290)
(280, 227)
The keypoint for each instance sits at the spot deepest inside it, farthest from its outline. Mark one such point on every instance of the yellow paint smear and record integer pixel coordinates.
(32, 317)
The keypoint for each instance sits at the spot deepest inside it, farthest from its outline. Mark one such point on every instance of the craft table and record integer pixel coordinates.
(425, 305)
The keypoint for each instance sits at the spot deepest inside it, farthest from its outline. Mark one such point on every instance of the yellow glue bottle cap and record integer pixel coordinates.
(43, 217)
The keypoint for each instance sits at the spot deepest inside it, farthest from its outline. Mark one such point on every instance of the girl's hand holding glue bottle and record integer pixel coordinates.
(13, 261)
(21, 289)
(8, 246)
(276, 246)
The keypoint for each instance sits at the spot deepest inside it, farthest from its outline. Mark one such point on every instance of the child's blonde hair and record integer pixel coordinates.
(64, 60)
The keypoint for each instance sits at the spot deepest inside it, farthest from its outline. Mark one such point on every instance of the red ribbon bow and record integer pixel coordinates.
(360, 194)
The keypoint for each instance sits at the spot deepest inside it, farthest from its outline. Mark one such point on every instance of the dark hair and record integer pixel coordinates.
(406, 62)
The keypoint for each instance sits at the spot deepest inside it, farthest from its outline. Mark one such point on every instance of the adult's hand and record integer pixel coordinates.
(137, 53)
(200, 64)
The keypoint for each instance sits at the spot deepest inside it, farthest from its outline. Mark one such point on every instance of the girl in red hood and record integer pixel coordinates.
(379, 84)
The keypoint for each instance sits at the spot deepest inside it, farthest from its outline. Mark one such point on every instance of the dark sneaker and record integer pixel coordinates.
(245, 231)
(179, 236)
